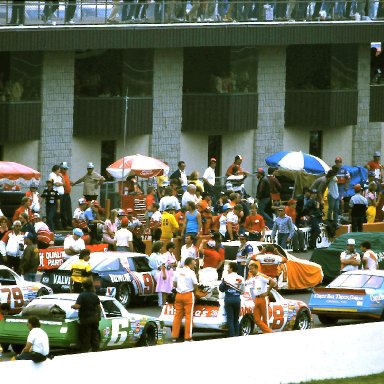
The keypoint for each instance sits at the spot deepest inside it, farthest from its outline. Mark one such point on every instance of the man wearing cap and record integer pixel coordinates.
(263, 195)
(30, 259)
(52, 204)
(66, 206)
(244, 253)
(92, 181)
(209, 177)
(223, 220)
(358, 205)
(237, 163)
(80, 271)
(33, 194)
(350, 259)
(92, 215)
(78, 219)
(210, 256)
(284, 227)
(73, 244)
(376, 166)
(12, 246)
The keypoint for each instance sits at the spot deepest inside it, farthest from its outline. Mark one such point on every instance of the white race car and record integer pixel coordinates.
(209, 313)
(18, 292)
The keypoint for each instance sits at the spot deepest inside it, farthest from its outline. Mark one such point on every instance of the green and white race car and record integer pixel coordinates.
(118, 327)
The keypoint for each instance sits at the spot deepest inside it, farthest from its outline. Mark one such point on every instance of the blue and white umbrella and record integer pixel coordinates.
(297, 161)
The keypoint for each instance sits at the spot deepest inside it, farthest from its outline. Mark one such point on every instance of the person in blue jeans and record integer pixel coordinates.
(284, 227)
(233, 286)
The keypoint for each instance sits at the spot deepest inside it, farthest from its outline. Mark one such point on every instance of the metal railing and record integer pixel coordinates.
(180, 11)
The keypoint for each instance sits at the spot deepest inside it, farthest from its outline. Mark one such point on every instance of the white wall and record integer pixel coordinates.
(194, 151)
(296, 139)
(23, 152)
(288, 357)
(134, 145)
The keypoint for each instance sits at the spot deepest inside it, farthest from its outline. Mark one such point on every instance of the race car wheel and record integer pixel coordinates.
(303, 320)
(326, 320)
(124, 294)
(246, 325)
(149, 336)
(17, 348)
(42, 292)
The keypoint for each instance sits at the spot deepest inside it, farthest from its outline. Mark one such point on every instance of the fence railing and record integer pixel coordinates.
(191, 11)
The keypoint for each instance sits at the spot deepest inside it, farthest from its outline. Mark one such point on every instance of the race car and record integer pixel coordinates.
(352, 295)
(294, 274)
(209, 312)
(18, 292)
(118, 328)
(124, 275)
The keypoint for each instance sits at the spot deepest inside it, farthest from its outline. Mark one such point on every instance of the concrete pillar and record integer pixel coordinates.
(269, 134)
(57, 110)
(167, 105)
(367, 136)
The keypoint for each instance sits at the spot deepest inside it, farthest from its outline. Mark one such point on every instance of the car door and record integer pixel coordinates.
(142, 275)
(277, 312)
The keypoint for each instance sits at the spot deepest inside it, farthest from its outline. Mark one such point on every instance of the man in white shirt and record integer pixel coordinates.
(188, 250)
(260, 286)
(73, 244)
(155, 222)
(370, 259)
(189, 195)
(37, 347)
(124, 237)
(185, 282)
(209, 176)
(350, 259)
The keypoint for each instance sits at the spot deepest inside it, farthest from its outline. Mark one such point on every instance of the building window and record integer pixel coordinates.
(20, 76)
(321, 67)
(316, 143)
(220, 70)
(377, 64)
(108, 156)
(114, 73)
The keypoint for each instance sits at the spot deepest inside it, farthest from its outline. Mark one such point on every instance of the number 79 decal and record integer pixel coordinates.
(14, 295)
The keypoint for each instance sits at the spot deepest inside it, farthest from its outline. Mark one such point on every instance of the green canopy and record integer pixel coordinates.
(329, 258)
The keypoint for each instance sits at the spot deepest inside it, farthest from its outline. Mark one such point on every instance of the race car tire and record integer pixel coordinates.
(327, 320)
(17, 348)
(5, 346)
(246, 325)
(124, 294)
(149, 336)
(42, 292)
(303, 320)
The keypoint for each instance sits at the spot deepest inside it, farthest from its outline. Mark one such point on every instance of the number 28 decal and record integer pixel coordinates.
(14, 295)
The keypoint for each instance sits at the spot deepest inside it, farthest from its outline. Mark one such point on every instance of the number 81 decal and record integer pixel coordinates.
(14, 295)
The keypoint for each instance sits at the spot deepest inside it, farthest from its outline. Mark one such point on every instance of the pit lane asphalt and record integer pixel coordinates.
(155, 311)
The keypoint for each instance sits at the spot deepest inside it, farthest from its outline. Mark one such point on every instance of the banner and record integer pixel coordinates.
(53, 257)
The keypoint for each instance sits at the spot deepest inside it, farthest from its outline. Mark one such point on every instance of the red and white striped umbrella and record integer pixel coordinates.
(15, 173)
(142, 166)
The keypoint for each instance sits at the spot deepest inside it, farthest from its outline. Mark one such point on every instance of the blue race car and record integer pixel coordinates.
(352, 295)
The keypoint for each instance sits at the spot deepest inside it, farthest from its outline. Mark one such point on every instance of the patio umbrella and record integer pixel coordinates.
(142, 166)
(297, 161)
(15, 173)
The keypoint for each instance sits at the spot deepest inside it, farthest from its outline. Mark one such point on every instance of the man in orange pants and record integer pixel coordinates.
(260, 286)
(185, 283)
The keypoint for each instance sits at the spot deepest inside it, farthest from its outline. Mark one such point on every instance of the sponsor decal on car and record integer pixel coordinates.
(111, 291)
(62, 280)
(376, 297)
(119, 278)
(337, 296)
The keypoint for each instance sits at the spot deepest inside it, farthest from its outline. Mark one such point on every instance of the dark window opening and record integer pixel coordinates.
(108, 156)
(214, 150)
(316, 143)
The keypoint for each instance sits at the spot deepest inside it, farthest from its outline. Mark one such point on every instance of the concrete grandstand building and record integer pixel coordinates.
(88, 92)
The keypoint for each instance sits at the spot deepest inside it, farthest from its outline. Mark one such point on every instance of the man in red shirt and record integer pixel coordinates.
(25, 207)
(375, 165)
(255, 225)
(65, 199)
(211, 256)
(236, 163)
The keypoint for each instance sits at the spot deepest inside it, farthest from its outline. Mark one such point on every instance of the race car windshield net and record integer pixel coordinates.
(357, 281)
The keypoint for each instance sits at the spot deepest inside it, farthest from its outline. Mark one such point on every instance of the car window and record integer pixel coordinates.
(7, 278)
(93, 261)
(357, 281)
(141, 264)
(110, 264)
(111, 309)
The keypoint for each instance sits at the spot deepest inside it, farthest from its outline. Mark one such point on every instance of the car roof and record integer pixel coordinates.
(376, 272)
(118, 254)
